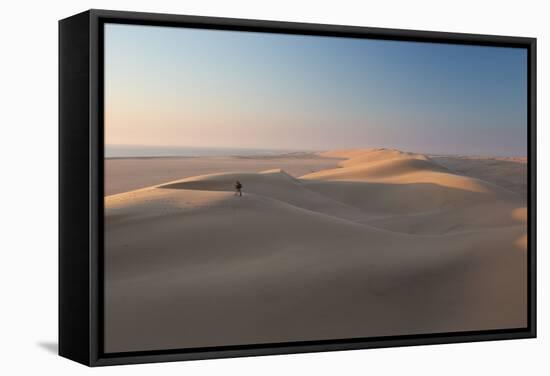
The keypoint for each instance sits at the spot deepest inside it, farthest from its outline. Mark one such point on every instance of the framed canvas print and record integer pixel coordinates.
(236, 187)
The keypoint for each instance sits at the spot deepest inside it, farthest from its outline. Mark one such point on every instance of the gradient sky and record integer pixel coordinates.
(169, 86)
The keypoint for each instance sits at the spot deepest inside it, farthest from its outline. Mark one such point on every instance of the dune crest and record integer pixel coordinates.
(396, 167)
(380, 155)
(386, 235)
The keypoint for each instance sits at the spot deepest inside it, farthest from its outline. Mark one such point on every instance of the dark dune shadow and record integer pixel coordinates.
(510, 175)
(201, 185)
(384, 186)
(449, 162)
(368, 197)
(226, 181)
(223, 185)
(394, 198)
(51, 347)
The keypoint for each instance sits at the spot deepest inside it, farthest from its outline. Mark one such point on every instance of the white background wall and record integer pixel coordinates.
(28, 188)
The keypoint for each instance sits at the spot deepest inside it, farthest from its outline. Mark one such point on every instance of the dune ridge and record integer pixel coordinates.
(387, 243)
(396, 167)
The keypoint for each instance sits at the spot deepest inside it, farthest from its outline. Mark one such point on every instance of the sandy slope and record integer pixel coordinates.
(389, 243)
(509, 173)
(411, 193)
(126, 174)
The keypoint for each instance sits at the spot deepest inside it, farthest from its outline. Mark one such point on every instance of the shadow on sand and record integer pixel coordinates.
(50, 347)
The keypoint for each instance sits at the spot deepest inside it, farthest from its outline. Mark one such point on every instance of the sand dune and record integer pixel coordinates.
(126, 174)
(376, 155)
(407, 192)
(276, 184)
(345, 153)
(396, 167)
(388, 243)
(509, 173)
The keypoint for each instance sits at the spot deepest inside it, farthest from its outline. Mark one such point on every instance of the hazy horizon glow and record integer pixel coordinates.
(168, 86)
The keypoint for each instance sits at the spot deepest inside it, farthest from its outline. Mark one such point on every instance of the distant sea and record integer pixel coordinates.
(132, 151)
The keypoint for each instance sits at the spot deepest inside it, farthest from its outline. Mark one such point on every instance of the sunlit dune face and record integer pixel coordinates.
(520, 214)
(154, 200)
(521, 243)
(394, 167)
(444, 180)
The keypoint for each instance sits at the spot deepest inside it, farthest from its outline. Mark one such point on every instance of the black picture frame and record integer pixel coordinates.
(81, 186)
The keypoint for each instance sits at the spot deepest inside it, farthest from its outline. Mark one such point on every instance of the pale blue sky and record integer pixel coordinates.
(190, 87)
